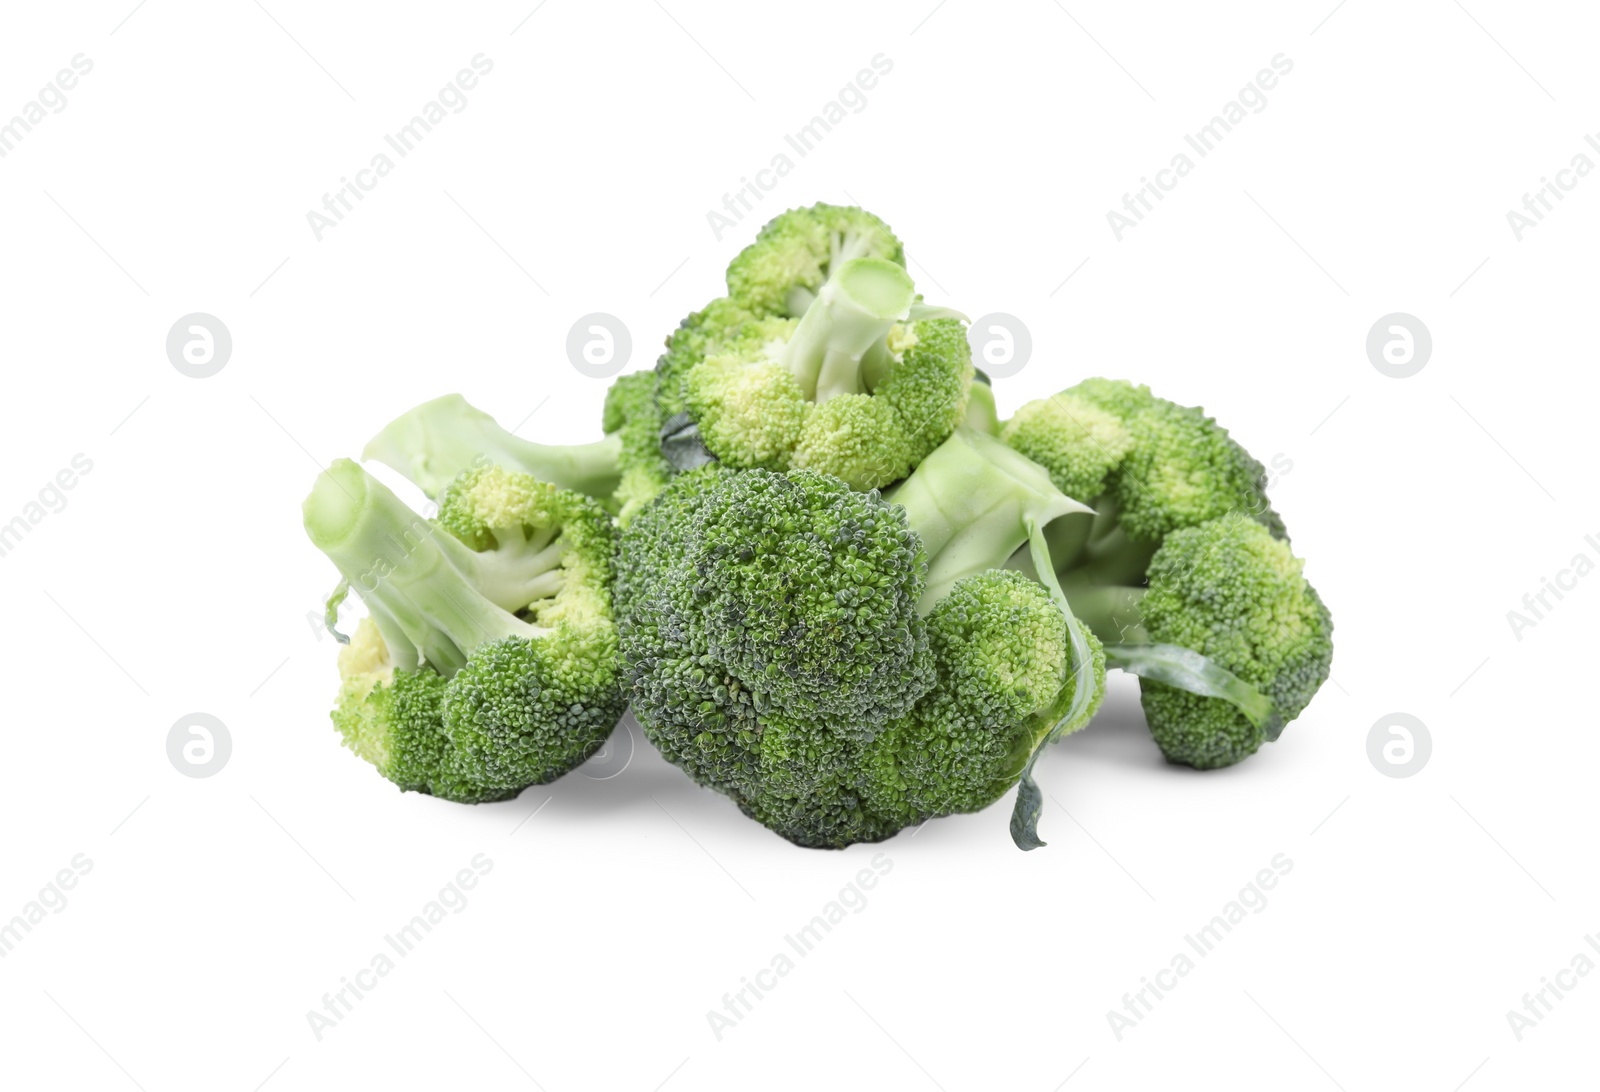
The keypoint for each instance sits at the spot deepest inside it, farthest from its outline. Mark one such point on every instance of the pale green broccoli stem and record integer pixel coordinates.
(853, 311)
(407, 571)
(981, 415)
(520, 570)
(437, 440)
(798, 300)
(1111, 611)
(973, 502)
(1111, 559)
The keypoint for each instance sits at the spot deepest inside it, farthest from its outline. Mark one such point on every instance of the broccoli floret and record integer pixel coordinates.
(821, 357)
(434, 442)
(782, 272)
(769, 627)
(851, 388)
(487, 662)
(1226, 672)
(975, 502)
(1227, 591)
(1001, 655)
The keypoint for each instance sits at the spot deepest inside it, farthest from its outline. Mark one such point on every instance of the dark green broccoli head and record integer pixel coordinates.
(769, 629)
(797, 251)
(1230, 591)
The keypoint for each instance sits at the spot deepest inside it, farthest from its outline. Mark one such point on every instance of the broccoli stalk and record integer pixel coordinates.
(853, 311)
(974, 501)
(437, 440)
(423, 589)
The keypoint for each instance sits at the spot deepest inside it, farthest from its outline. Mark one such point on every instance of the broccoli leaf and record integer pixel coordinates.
(330, 611)
(1188, 670)
(1030, 798)
(681, 444)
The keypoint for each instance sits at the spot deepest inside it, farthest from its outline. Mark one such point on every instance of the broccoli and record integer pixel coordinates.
(777, 276)
(1230, 638)
(820, 357)
(851, 388)
(487, 661)
(769, 627)
(1184, 572)
(982, 414)
(788, 644)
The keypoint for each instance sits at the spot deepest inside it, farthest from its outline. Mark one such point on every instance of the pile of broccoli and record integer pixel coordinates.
(831, 582)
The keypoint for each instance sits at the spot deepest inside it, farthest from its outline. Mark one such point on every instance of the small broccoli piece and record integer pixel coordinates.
(437, 440)
(769, 628)
(850, 388)
(487, 662)
(1230, 592)
(1161, 474)
(821, 357)
(1001, 654)
(794, 255)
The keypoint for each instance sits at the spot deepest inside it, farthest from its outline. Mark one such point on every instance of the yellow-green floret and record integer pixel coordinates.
(1152, 465)
(854, 388)
(1001, 657)
(794, 254)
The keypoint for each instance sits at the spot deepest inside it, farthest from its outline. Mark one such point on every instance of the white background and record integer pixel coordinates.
(177, 579)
